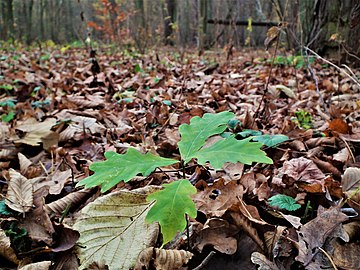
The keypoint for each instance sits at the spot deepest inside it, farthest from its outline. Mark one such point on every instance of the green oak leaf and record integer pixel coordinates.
(194, 135)
(232, 150)
(124, 167)
(284, 202)
(271, 140)
(172, 203)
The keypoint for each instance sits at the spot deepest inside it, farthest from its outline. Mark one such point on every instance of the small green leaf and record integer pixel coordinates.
(232, 150)
(6, 87)
(194, 135)
(271, 140)
(284, 202)
(138, 68)
(249, 132)
(172, 203)
(4, 209)
(124, 167)
(9, 103)
(8, 117)
(167, 102)
(233, 123)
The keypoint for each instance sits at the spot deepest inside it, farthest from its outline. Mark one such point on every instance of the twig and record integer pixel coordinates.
(205, 261)
(349, 149)
(316, 82)
(329, 257)
(333, 65)
(269, 77)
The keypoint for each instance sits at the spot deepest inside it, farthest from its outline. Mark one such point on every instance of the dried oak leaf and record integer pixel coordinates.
(72, 199)
(302, 170)
(216, 199)
(271, 36)
(37, 132)
(6, 250)
(45, 265)
(339, 126)
(350, 185)
(162, 259)
(346, 256)
(37, 222)
(220, 234)
(65, 239)
(19, 195)
(313, 234)
(263, 263)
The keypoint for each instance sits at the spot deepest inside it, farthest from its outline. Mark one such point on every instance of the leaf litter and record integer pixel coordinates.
(64, 119)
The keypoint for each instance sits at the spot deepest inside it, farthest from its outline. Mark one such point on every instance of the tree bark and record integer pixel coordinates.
(169, 20)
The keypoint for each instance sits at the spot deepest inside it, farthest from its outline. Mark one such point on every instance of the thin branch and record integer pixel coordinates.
(333, 65)
(205, 261)
(316, 82)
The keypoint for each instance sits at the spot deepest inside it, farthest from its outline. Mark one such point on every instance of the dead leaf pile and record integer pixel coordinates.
(65, 117)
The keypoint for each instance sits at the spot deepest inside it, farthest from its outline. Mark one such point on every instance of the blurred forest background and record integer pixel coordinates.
(330, 27)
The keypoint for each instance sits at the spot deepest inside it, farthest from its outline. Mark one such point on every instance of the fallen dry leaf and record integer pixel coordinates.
(162, 259)
(19, 196)
(323, 225)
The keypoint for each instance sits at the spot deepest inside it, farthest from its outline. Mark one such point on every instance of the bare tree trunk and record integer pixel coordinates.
(9, 19)
(203, 26)
(169, 20)
(28, 28)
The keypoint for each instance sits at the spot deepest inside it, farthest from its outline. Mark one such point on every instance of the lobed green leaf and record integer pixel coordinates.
(172, 203)
(232, 150)
(194, 135)
(124, 167)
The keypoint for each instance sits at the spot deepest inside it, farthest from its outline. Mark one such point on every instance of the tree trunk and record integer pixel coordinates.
(28, 27)
(169, 20)
(9, 19)
(203, 25)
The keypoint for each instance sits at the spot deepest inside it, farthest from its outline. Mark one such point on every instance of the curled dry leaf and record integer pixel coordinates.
(216, 199)
(6, 250)
(302, 170)
(162, 259)
(271, 36)
(60, 205)
(327, 221)
(24, 163)
(19, 196)
(351, 186)
(218, 233)
(346, 256)
(45, 265)
(263, 263)
(36, 132)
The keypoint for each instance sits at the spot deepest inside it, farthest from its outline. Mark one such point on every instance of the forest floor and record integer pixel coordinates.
(57, 118)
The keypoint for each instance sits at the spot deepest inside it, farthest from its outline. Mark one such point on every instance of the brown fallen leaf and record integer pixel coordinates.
(35, 132)
(303, 170)
(351, 186)
(73, 199)
(37, 222)
(339, 126)
(44, 265)
(218, 233)
(346, 256)
(65, 238)
(6, 250)
(263, 263)
(216, 199)
(313, 234)
(271, 36)
(162, 259)
(19, 196)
